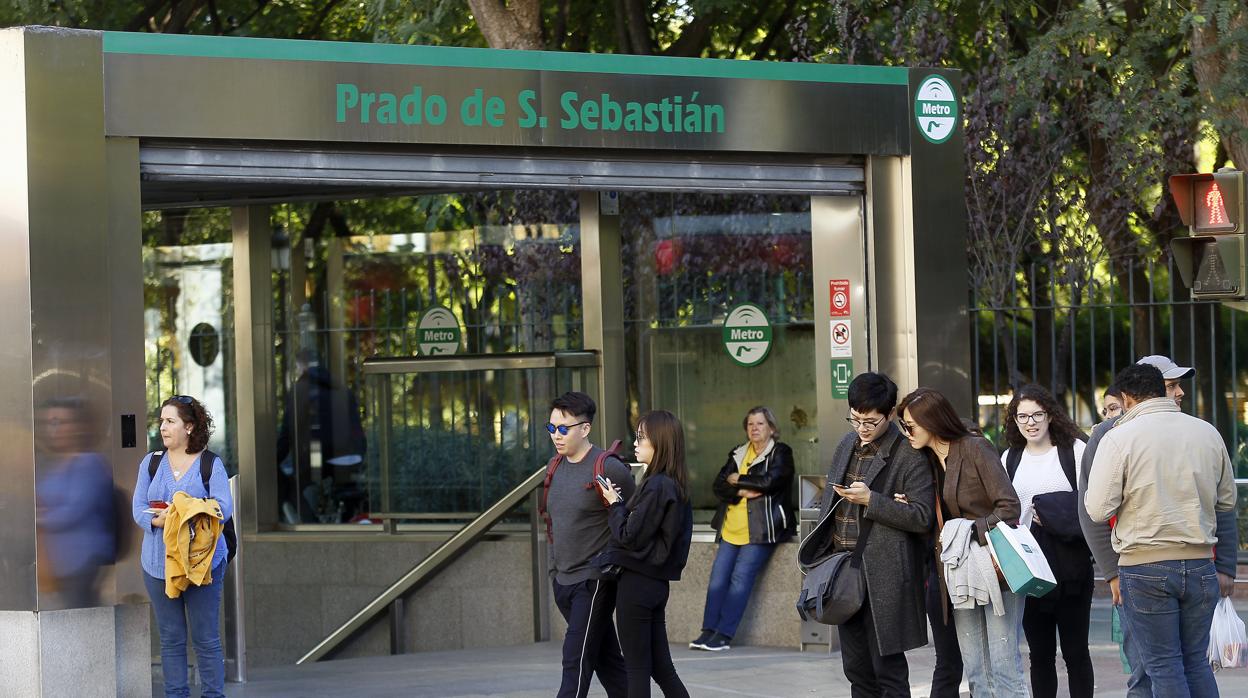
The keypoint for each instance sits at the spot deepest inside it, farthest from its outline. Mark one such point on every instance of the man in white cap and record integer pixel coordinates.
(1098, 533)
(1173, 374)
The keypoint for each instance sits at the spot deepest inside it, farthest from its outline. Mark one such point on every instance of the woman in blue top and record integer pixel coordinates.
(184, 429)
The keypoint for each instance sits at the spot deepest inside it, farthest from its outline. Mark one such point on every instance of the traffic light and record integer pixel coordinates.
(1211, 259)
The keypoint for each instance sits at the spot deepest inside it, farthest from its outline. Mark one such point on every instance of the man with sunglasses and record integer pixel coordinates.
(1098, 534)
(578, 531)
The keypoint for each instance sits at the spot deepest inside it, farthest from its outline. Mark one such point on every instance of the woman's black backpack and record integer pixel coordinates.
(206, 461)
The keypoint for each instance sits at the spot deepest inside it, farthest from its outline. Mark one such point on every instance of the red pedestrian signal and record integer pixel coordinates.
(1212, 258)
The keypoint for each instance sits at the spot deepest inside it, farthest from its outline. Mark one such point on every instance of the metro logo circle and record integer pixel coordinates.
(936, 109)
(438, 333)
(747, 334)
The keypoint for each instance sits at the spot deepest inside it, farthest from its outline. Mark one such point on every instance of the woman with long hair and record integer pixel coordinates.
(1042, 462)
(184, 430)
(971, 485)
(650, 535)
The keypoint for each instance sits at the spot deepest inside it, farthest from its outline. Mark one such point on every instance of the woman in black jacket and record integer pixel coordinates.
(650, 537)
(755, 513)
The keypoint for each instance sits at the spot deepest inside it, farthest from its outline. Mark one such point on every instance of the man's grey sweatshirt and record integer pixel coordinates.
(1098, 534)
(578, 518)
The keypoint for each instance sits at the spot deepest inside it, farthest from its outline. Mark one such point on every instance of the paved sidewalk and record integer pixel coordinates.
(532, 671)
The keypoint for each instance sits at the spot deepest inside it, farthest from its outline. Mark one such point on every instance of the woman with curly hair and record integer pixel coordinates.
(184, 430)
(1045, 446)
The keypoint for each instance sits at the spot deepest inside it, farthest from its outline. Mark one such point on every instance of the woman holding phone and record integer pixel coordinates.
(650, 535)
(184, 430)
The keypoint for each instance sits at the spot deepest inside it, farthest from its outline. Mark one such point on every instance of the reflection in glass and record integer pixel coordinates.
(688, 260)
(80, 528)
(354, 279)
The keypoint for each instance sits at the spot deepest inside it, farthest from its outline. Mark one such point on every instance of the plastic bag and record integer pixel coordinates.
(1228, 643)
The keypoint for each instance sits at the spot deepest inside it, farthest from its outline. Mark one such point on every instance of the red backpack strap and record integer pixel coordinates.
(600, 463)
(551, 466)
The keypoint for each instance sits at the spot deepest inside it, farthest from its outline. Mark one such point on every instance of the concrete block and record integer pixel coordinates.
(496, 618)
(433, 621)
(133, 631)
(19, 653)
(287, 562)
(77, 652)
(288, 618)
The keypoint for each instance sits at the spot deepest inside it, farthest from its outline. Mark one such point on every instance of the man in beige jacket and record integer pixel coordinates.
(1164, 474)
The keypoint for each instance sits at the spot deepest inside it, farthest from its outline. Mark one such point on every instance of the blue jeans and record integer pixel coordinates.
(1168, 608)
(202, 607)
(1138, 685)
(989, 644)
(732, 579)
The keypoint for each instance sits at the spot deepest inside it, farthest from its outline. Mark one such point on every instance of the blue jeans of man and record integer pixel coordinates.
(989, 644)
(1168, 608)
(733, 575)
(201, 606)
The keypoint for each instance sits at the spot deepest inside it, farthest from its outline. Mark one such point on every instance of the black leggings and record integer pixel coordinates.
(1063, 613)
(640, 602)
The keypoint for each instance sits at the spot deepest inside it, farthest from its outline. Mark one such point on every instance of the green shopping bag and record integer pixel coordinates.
(1022, 563)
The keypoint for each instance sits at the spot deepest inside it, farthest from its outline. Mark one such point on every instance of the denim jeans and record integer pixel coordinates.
(989, 644)
(732, 579)
(202, 607)
(1168, 608)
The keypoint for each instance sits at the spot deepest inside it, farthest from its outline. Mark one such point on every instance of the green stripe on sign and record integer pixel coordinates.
(456, 57)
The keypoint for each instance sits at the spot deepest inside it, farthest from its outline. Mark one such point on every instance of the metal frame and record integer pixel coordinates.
(481, 362)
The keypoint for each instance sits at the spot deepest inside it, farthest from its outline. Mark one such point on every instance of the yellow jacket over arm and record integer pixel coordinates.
(192, 527)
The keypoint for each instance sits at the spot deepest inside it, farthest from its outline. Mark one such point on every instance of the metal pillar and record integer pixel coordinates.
(602, 298)
(253, 346)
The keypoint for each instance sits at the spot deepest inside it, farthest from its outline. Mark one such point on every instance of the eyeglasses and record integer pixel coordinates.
(1111, 410)
(863, 423)
(184, 399)
(562, 428)
(907, 429)
(1033, 418)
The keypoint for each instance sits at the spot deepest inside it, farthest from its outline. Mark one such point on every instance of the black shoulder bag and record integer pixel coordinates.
(833, 586)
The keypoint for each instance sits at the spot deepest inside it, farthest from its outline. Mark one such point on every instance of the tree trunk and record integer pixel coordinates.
(515, 24)
(1210, 65)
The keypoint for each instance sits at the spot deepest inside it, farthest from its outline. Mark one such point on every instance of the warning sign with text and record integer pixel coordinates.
(842, 342)
(838, 305)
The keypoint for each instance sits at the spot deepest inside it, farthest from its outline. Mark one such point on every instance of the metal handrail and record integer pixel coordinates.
(428, 567)
(481, 362)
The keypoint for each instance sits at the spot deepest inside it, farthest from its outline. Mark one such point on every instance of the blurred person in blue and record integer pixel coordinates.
(184, 430)
(74, 495)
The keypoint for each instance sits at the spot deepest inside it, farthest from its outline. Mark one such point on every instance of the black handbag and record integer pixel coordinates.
(834, 586)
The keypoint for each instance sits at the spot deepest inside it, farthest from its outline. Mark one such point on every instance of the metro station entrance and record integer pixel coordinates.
(378, 263)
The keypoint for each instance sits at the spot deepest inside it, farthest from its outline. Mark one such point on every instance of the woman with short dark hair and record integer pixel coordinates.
(972, 485)
(755, 513)
(184, 430)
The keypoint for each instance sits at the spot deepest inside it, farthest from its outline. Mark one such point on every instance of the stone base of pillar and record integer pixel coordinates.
(85, 652)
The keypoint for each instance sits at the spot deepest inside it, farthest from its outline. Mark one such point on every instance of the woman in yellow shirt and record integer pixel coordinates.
(755, 513)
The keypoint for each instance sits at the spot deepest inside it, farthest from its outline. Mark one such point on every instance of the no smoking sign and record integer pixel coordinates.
(838, 297)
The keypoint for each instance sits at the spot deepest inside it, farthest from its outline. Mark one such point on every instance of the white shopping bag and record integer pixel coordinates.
(1228, 643)
(1021, 561)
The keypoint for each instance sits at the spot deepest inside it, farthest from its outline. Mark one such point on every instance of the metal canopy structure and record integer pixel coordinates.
(100, 126)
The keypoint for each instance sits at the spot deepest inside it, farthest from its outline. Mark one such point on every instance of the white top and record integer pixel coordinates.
(1040, 475)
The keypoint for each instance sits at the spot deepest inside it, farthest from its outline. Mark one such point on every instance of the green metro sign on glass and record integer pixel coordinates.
(747, 334)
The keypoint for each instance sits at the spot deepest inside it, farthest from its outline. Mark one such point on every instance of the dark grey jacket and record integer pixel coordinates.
(894, 558)
(1226, 550)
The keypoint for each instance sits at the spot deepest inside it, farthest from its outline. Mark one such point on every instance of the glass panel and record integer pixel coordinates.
(188, 289)
(361, 276)
(457, 442)
(688, 260)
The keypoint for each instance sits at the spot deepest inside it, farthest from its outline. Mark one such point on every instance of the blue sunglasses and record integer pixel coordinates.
(562, 428)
